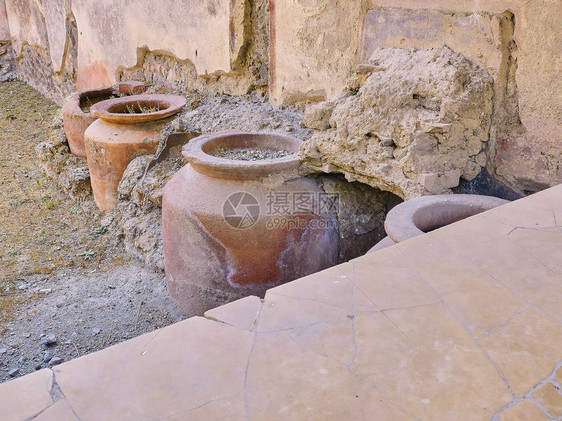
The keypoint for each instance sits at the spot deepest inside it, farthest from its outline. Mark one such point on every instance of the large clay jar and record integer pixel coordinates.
(427, 213)
(123, 132)
(76, 115)
(222, 237)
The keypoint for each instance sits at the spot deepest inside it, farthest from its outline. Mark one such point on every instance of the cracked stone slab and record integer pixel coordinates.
(558, 376)
(58, 411)
(328, 390)
(174, 371)
(27, 396)
(389, 281)
(526, 349)
(526, 213)
(410, 354)
(550, 397)
(523, 411)
(479, 301)
(496, 259)
(240, 313)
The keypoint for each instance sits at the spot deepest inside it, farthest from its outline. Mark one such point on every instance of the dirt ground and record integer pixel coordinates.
(63, 272)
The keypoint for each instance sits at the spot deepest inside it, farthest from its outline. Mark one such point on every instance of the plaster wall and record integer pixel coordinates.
(25, 19)
(209, 33)
(4, 27)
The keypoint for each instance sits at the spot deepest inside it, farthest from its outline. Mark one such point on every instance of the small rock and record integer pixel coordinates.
(3, 350)
(47, 357)
(14, 372)
(96, 331)
(55, 361)
(50, 340)
(38, 367)
(21, 360)
(317, 116)
(59, 305)
(23, 286)
(45, 291)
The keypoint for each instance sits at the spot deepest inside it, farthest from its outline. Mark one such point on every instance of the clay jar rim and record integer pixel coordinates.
(114, 110)
(197, 153)
(420, 215)
(73, 106)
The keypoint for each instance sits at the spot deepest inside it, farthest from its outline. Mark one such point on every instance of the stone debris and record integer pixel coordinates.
(413, 127)
(47, 357)
(50, 340)
(14, 372)
(55, 361)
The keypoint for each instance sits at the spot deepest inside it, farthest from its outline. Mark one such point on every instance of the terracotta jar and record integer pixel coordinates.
(424, 214)
(229, 226)
(76, 116)
(127, 127)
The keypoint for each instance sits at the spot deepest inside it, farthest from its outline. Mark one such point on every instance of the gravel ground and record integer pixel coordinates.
(67, 286)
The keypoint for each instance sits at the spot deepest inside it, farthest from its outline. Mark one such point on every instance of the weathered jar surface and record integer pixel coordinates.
(122, 132)
(226, 233)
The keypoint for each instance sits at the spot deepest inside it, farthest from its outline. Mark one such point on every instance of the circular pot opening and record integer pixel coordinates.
(250, 147)
(438, 215)
(425, 214)
(88, 99)
(138, 107)
(242, 156)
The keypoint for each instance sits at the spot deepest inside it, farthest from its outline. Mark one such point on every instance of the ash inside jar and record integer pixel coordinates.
(250, 154)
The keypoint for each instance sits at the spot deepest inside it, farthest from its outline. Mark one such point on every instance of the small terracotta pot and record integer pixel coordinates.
(112, 141)
(221, 238)
(424, 214)
(76, 120)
